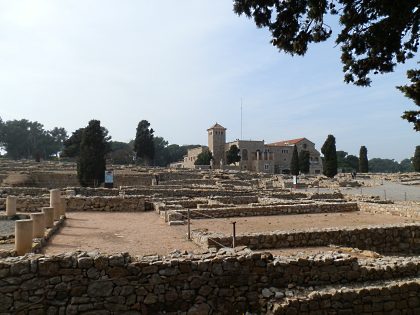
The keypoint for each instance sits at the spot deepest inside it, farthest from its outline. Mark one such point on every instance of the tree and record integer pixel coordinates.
(304, 161)
(232, 155)
(416, 159)
(121, 153)
(91, 163)
(374, 35)
(363, 160)
(330, 157)
(412, 91)
(143, 143)
(347, 163)
(294, 163)
(406, 165)
(204, 158)
(161, 153)
(27, 139)
(377, 165)
(72, 144)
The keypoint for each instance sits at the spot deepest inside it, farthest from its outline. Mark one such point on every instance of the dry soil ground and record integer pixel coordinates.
(145, 233)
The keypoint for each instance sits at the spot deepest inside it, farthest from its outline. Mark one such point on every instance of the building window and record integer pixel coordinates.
(210, 133)
(304, 145)
(266, 167)
(285, 151)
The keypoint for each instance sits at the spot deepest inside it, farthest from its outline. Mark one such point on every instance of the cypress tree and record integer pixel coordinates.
(330, 157)
(294, 164)
(91, 162)
(143, 143)
(363, 160)
(416, 159)
(304, 162)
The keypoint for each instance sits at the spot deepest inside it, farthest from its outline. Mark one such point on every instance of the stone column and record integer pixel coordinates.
(63, 206)
(23, 236)
(55, 202)
(49, 216)
(39, 224)
(11, 205)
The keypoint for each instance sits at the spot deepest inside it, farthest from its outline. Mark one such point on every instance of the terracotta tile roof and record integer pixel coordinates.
(287, 142)
(217, 126)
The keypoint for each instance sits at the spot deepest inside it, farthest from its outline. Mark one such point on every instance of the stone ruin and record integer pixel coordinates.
(336, 270)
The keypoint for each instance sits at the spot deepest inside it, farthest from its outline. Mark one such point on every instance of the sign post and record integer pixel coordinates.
(109, 179)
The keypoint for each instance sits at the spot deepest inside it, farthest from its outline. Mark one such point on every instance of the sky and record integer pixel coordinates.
(184, 65)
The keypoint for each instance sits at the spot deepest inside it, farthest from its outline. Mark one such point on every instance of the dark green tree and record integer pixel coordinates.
(377, 165)
(352, 162)
(294, 163)
(406, 165)
(330, 157)
(72, 144)
(143, 143)
(91, 163)
(121, 153)
(304, 161)
(204, 158)
(363, 160)
(416, 159)
(232, 155)
(374, 36)
(412, 91)
(161, 152)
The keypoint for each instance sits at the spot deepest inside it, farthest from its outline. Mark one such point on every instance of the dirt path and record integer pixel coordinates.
(297, 222)
(137, 233)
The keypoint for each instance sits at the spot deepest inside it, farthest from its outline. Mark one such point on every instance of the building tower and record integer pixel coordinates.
(217, 142)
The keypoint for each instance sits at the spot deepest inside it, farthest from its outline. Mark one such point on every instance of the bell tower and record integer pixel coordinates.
(217, 142)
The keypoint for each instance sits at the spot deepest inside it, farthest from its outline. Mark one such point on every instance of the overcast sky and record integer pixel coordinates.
(184, 65)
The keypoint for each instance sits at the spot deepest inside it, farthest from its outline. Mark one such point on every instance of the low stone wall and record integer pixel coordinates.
(406, 209)
(163, 191)
(387, 297)
(390, 239)
(222, 283)
(247, 211)
(22, 191)
(78, 203)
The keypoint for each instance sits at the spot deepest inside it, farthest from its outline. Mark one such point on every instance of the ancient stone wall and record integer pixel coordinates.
(81, 203)
(263, 210)
(404, 238)
(224, 284)
(386, 297)
(403, 209)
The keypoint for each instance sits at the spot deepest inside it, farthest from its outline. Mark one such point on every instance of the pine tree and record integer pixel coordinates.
(330, 157)
(416, 159)
(91, 162)
(363, 160)
(144, 144)
(294, 164)
(304, 161)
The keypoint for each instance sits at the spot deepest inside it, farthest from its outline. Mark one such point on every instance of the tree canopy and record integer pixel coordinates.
(91, 163)
(346, 162)
(304, 161)
(232, 155)
(24, 139)
(374, 36)
(204, 158)
(363, 160)
(294, 163)
(330, 156)
(416, 159)
(144, 145)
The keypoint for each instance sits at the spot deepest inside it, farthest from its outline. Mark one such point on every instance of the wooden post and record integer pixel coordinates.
(189, 224)
(234, 234)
